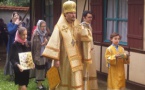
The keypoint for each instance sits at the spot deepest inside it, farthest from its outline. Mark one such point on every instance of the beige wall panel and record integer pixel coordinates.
(104, 68)
(80, 6)
(125, 65)
(144, 29)
(137, 68)
(97, 56)
(86, 7)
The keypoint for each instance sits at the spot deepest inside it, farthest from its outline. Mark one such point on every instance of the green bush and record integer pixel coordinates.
(23, 3)
(6, 84)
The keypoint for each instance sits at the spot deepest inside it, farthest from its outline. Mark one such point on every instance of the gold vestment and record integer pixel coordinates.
(89, 73)
(116, 72)
(65, 45)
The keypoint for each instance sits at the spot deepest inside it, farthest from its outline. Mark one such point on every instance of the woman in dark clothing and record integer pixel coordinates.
(3, 32)
(19, 45)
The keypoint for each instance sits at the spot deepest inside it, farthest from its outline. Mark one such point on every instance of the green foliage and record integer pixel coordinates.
(2, 0)
(24, 3)
(5, 84)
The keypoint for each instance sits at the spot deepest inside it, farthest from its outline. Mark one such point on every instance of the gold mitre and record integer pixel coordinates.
(69, 6)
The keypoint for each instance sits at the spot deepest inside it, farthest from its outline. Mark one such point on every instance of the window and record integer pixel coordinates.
(115, 19)
(125, 17)
(49, 13)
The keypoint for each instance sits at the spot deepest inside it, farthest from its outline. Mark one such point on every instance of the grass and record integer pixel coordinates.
(5, 84)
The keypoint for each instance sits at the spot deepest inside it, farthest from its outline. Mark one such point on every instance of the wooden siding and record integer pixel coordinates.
(135, 23)
(97, 11)
(56, 10)
(38, 10)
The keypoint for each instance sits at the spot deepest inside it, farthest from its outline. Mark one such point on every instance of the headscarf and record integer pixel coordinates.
(41, 34)
(18, 38)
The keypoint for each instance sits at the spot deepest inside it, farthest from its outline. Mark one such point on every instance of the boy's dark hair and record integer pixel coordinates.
(114, 34)
(86, 12)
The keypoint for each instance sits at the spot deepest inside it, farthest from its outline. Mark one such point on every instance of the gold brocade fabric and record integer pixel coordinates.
(57, 49)
(116, 73)
(71, 39)
(86, 38)
(53, 77)
(89, 72)
(86, 34)
(69, 6)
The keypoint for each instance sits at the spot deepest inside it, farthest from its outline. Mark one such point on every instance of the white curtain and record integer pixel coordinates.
(111, 9)
(123, 14)
(111, 13)
(111, 26)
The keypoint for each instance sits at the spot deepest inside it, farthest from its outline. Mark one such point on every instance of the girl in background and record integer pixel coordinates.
(20, 45)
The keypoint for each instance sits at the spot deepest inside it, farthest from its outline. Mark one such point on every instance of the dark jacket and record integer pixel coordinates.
(13, 55)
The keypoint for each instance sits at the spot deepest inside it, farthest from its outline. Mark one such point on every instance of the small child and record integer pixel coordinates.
(115, 60)
(19, 45)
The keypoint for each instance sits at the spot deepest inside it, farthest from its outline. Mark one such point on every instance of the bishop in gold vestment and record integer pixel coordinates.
(116, 72)
(65, 46)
